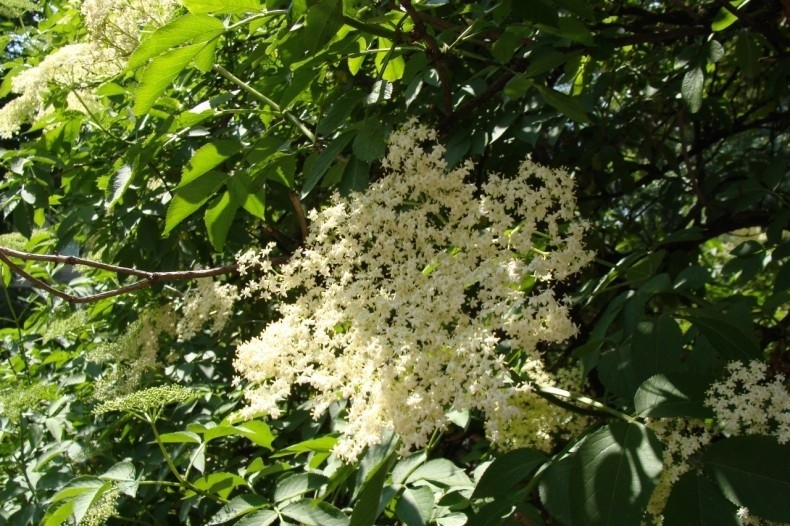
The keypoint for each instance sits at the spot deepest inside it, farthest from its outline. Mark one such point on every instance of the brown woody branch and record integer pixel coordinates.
(148, 279)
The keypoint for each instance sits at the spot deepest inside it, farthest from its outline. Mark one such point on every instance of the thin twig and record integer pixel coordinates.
(299, 213)
(434, 51)
(149, 279)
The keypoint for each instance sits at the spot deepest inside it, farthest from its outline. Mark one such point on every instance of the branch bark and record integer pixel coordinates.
(148, 279)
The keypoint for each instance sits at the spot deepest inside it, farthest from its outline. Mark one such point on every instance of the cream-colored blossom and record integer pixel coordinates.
(118, 24)
(747, 402)
(406, 293)
(209, 301)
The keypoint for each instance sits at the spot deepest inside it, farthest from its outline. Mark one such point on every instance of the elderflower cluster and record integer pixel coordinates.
(747, 402)
(408, 293)
(114, 31)
(14, 8)
(102, 510)
(210, 301)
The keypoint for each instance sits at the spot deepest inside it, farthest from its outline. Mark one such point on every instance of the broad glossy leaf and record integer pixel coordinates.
(507, 470)
(691, 88)
(160, 73)
(554, 490)
(406, 466)
(315, 513)
(208, 157)
(370, 142)
(753, 472)
(219, 483)
(415, 506)
(673, 395)
(614, 472)
(695, 501)
(732, 338)
(259, 518)
(256, 431)
(325, 160)
(322, 22)
(297, 485)
(366, 508)
(219, 217)
(119, 183)
(748, 51)
(565, 104)
(222, 6)
(188, 28)
(657, 347)
(237, 507)
(442, 472)
(190, 197)
(356, 176)
(180, 437)
(122, 471)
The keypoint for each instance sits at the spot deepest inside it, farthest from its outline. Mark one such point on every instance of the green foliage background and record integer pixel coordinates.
(672, 115)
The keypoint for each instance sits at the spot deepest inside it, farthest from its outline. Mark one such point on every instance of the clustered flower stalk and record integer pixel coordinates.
(408, 296)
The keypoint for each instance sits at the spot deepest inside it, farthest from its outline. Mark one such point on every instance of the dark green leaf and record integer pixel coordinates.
(190, 197)
(371, 140)
(297, 485)
(565, 104)
(324, 161)
(507, 470)
(219, 217)
(673, 395)
(206, 158)
(657, 347)
(753, 472)
(696, 501)
(219, 483)
(415, 506)
(613, 475)
(730, 336)
(366, 509)
(748, 51)
(237, 507)
(315, 513)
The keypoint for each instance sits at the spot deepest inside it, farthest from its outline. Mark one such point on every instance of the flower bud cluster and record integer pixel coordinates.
(406, 296)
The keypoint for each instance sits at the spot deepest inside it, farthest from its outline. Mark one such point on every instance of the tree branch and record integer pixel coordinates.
(149, 279)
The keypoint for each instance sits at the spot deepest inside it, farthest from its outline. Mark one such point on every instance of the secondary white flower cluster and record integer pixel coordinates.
(408, 294)
(114, 29)
(209, 301)
(744, 402)
(747, 402)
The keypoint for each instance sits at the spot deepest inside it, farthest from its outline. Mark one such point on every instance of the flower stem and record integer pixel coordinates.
(601, 408)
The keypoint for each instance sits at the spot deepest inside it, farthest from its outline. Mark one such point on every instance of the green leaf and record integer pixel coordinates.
(696, 501)
(406, 466)
(691, 88)
(565, 104)
(206, 158)
(614, 472)
(222, 6)
(554, 490)
(219, 217)
(188, 28)
(188, 198)
(366, 508)
(748, 52)
(753, 472)
(57, 515)
(672, 396)
(370, 142)
(324, 160)
(119, 183)
(315, 513)
(321, 445)
(723, 19)
(415, 506)
(259, 518)
(180, 437)
(731, 338)
(356, 176)
(122, 471)
(78, 486)
(507, 470)
(442, 472)
(657, 347)
(297, 485)
(322, 22)
(237, 507)
(256, 431)
(83, 502)
(160, 73)
(394, 69)
(219, 483)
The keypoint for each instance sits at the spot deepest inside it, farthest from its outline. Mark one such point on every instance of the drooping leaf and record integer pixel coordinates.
(657, 347)
(565, 104)
(692, 88)
(190, 197)
(753, 472)
(371, 141)
(208, 157)
(315, 513)
(415, 506)
(366, 508)
(219, 483)
(188, 28)
(507, 470)
(673, 395)
(614, 472)
(297, 485)
(695, 501)
(119, 183)
(236, 508)
(324, 161)
(219, 217)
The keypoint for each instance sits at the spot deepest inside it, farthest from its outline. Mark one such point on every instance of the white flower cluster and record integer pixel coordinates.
(409, 292)
(744, 402)
(747, 402)
(114, 29)
(210, 301)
